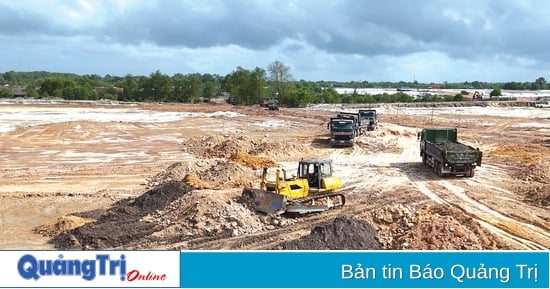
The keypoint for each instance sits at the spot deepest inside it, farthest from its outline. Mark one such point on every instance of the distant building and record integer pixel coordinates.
(101, 90)
(436, 85)
(17, 90)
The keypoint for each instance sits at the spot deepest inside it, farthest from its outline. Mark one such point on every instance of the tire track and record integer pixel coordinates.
(523, 234)
(527, 235)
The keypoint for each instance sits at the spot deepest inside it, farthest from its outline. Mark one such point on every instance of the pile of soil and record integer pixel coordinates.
(536, 194)
(522, 154)
(194, 181)
(252, 161)
(171, 213)
(122, 223)
(61, 225)
(207, 173)
(536, 187)
(343, 233)
(393, 221)
(442, 227)
(214, 146)
(375, 144)
(204, 213)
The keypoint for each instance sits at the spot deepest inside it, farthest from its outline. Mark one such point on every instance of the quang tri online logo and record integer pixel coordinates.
(29, 267)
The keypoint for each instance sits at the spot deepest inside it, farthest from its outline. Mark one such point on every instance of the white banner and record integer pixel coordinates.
(74, 269)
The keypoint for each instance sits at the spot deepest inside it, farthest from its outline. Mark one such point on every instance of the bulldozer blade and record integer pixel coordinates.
(266, 202)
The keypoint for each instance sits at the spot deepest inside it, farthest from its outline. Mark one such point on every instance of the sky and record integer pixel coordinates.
(340, 40)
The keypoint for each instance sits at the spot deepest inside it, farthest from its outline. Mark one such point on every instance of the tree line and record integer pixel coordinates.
(243, 86)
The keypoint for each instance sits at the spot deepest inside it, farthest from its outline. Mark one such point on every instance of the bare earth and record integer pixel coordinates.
(176, 184)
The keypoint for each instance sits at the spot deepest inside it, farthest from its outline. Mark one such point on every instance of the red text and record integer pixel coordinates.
(135, 275)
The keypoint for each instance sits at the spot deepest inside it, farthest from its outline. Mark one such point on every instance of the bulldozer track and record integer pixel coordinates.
(332, 201)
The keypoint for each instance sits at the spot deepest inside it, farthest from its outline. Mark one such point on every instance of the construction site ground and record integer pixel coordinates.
(75, 178)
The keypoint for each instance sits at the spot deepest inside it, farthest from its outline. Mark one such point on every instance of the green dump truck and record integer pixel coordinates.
(441, 151)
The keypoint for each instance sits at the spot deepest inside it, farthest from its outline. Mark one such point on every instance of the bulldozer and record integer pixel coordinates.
(313, 189)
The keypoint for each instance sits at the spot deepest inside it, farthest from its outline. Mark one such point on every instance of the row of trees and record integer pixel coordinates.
(244, 86)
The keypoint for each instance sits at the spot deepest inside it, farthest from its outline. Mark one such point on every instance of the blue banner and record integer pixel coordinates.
(364, 269)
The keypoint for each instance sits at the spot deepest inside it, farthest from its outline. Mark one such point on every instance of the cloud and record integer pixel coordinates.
(332, 39)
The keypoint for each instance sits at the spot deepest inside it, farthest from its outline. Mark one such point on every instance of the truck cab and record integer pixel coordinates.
(370, 118)
(342, 131)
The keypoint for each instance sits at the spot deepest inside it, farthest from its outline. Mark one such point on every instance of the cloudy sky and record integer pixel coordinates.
(386, 40)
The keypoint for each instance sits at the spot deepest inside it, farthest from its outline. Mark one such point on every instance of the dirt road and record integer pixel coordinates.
(65, 183)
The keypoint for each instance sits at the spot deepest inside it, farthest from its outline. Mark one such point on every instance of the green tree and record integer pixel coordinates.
(458, 97)
(279, 75)
(257, 83)
(211, 85)
(158, 87)
(330, 95)
(496, 92)
(300, 94)
(541, 83)
(237, 84)
(31, 92)
(5, 92)
(130, 88)
(180, 82)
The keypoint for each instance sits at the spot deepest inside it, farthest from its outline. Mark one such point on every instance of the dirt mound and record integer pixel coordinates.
(122, 224)
(343, 233)
(536, 186)
(434, 227)
(61, 225)
(214, 146)
(252, 161)
(194, 181)
(225, 147)
(535, 172)
(537, 194)
(524, 153)
(205, 213)
(441, 227)
(391, 222)
(169, 214)
(378, 144)
(208, 173)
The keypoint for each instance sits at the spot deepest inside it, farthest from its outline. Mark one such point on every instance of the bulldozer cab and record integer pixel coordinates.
(314, 171)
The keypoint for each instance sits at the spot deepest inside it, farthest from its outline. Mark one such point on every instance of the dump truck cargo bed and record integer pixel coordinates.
(452, 146)
(441, 151)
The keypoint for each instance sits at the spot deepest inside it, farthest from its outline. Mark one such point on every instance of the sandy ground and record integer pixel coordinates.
(64, 165)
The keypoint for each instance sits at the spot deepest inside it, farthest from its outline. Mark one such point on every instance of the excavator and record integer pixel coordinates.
(313, 189)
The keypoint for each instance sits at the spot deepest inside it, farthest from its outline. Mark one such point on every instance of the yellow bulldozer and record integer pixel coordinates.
(313, 189)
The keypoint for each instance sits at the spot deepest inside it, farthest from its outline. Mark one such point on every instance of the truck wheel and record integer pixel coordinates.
(439, 170)
(424, 159)
(471, 172)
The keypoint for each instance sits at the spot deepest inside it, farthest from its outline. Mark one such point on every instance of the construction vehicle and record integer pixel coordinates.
(542, 104)
(273, 104)
(441, 151)
(312, 190)
(358, 124)
(370, 118)
(478, 95)
(342, 131)
(270, 104)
